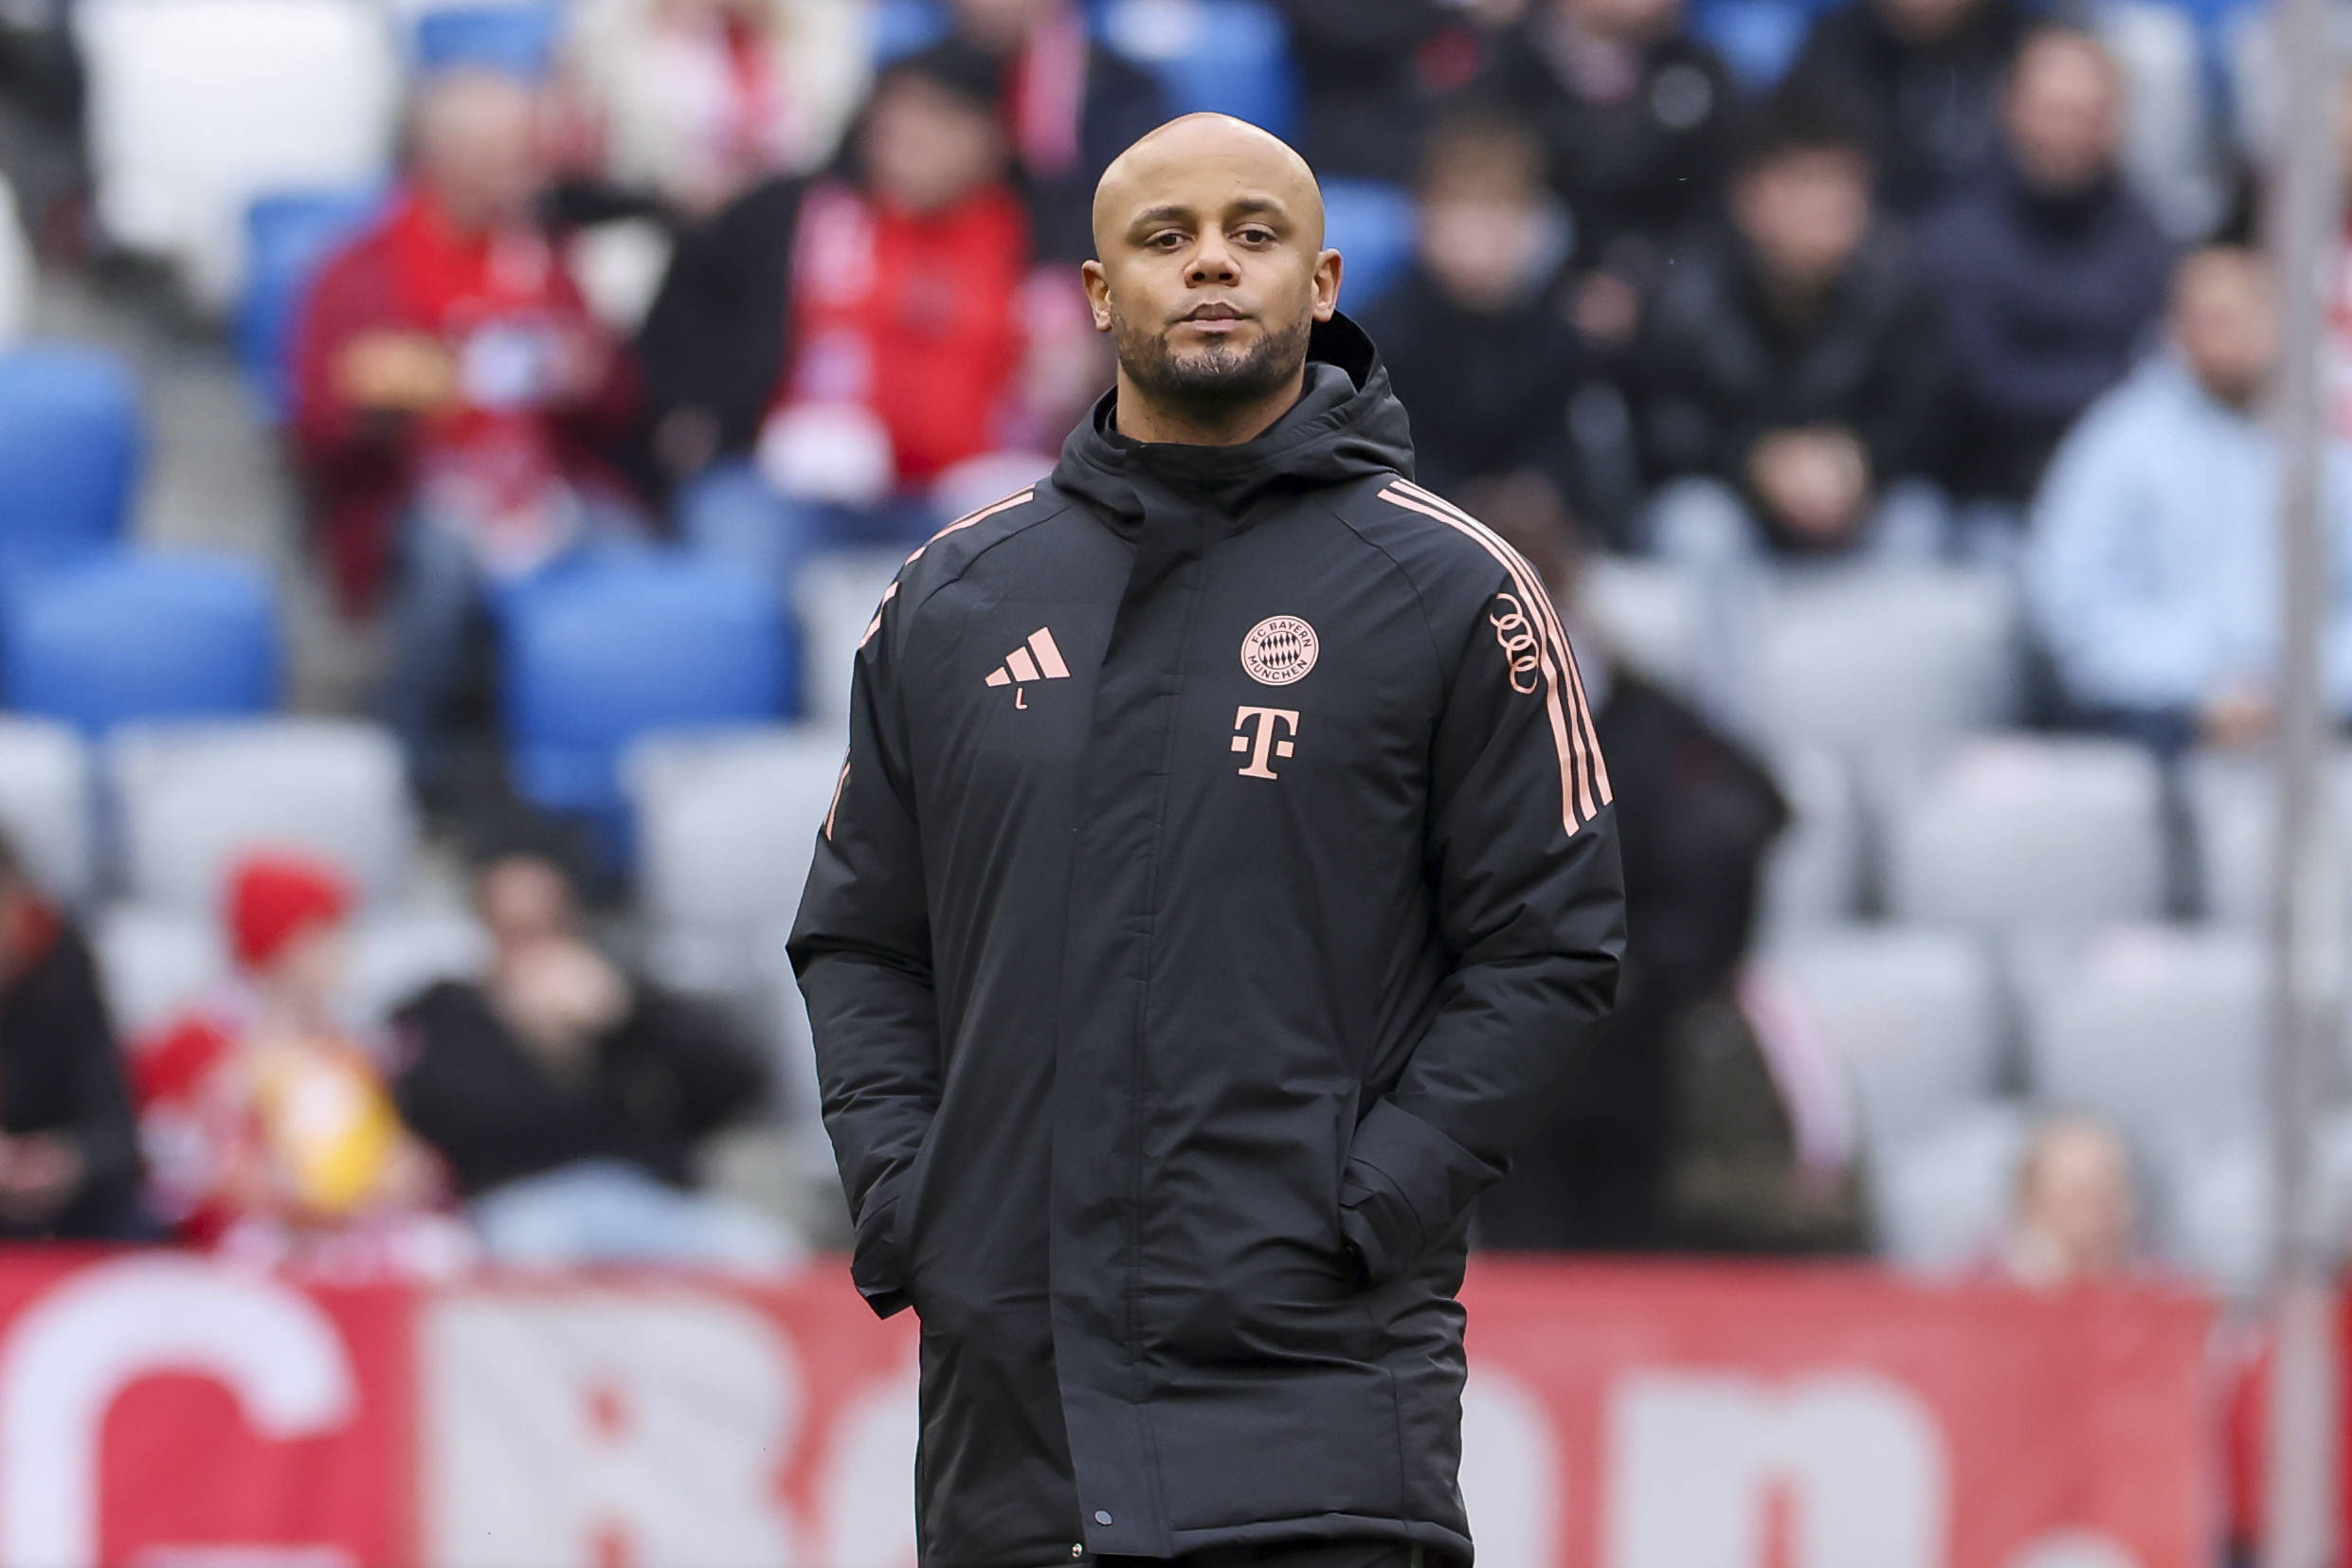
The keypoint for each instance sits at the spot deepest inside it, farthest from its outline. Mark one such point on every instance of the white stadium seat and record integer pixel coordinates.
(195, 798)
(2233, 803)
(1814, 873)
(2156, 1028)
(198, 106)
(397, 953)
(1651, 615)
(44, 804)
(2017, 832)
(1914, 1014)
(154, 961)
(835, 596)
(1885, 660)
(1942, 1200)
(2219, 1204)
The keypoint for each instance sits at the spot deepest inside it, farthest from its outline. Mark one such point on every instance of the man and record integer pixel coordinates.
(2073, 1215)
(69, 1165)
(2052, 273)
(567, 1098)
(1222, 857)
(825, 359)
(2152, 569)
(453, 395)
(1792, 370)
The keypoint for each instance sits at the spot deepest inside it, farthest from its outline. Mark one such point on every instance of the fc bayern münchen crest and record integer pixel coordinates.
(1279, 650)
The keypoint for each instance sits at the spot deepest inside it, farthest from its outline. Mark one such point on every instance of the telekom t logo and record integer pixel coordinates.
(1261, 730)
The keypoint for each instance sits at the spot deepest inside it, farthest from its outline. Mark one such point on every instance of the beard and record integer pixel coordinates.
(1215, 377)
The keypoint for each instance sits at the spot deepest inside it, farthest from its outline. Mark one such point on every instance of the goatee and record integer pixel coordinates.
(1212, 377)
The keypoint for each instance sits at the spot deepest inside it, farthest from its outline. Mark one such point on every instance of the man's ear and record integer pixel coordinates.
(1097, 294)
(1327, 269)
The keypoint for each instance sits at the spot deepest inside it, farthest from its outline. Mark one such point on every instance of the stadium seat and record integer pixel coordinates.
(1651, 615)
(198, 106)
(194, 799)
(1757, 39)
(397, 953)
(1813, 875)
(1941, 1202)
(154, 963)
(1229, 56)
(835, 595)
(69, 454)
(902, 27)
(1885, 660)
(1372, 224)
(44, 804)
(726, 823)
(1912, 1013)
(2156, 1028)
(289, 236)
(2233, 803)
(2015, 832)
(142, 636)
(2216, 1205)
(515, 37)
(598, 654)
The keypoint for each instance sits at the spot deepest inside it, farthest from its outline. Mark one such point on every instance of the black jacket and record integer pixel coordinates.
(1928, 110)
(1144, 992)
(1721, 368)
(713, 338)
(669, 1074)
(60, 1071)
(2047, 300)
(1358, 71)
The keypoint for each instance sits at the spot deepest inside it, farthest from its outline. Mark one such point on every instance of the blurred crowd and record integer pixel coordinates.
(1958, 284)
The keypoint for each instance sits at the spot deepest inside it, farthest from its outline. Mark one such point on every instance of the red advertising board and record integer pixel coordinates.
(161, 1411)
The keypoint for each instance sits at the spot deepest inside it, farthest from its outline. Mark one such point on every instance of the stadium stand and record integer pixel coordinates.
(1231, 56)
(2233, 814)
(141, 635)
(1813, 874)
(1370, 224)
(45, 804)
(288, 235)
(516, 37)
(70, 439)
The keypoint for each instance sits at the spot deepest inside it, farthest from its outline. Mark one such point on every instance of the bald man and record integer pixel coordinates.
(1221, 864)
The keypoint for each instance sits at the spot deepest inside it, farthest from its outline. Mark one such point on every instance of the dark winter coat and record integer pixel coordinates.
(61, 1072)
(1222, 859)
(1358, 69)
(1721, 368)
(666, 1077)
(1928, 110)
(2046, 301)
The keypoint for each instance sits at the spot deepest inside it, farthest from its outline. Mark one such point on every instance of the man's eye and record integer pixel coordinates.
(1255, 235)
(1169, 240)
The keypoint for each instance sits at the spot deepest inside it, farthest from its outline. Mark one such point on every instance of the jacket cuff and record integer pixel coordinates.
(875, 1265)
(1398, 1194)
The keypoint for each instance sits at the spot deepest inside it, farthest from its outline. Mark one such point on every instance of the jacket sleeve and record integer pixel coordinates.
(1523, 858)
(862, 948)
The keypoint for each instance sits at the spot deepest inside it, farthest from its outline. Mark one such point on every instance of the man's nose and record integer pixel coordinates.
(1212, 262)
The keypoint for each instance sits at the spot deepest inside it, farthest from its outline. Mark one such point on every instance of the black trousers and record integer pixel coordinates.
(1295, 1554)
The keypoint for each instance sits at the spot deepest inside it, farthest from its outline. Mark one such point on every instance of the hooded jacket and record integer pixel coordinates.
(1222, 862)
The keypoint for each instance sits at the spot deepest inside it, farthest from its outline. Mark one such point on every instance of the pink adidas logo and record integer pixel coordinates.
(1037, 658)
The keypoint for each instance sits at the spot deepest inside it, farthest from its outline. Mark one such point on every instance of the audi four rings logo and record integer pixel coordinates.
(1279, 650)
(1517, 634)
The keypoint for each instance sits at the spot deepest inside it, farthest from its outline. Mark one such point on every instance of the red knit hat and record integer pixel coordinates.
(275, 897)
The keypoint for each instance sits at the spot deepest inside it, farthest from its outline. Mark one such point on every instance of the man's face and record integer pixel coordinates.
(1925, 21)
(2226, 321)
(1806, 212)
(1632, 21)
(481, 148)
(1212, 270)
(927, 148)
(2062, 120)
(522, 900)
(1000, 24)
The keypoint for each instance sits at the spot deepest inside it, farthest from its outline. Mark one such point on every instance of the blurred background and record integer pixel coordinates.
(449, 453)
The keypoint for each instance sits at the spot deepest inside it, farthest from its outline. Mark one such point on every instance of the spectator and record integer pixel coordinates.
(1070, 105)
(847, 351)
(1921, 78)
(2152, 570)
(695, 101)
(1791, 368)
(2052, 273)
(1359, 69)
(1634, 117)
(269, 1130)
(1480, 354)
(1623, 1165)
(69, 1149)
(568, 1098)
(453, 395)
(2072, 1216)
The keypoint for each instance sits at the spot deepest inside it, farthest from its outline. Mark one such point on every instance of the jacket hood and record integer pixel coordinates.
(1346, 425)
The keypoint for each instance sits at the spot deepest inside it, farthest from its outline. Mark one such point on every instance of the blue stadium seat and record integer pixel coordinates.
(1757, 39)
(134, 635)
(69, 453)
(288, 238)
(601, 653)
(1371, 222)
(517, 38)
(902, 27)
(1230, 56)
